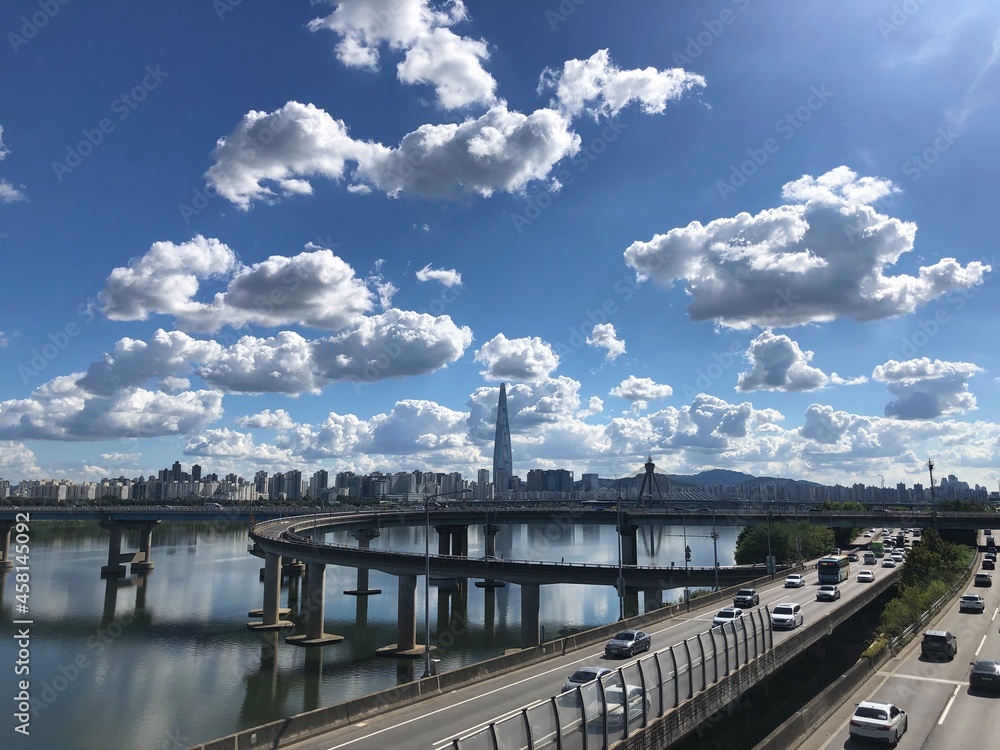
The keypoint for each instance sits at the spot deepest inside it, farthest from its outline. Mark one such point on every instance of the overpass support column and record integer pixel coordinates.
(364, 537)
(652, 599)
(444, 539)
(115, 566)
(406, 621)
(271, 612)
(460, 541)
(490, 532)
(6, 561)
(530, 630)
(630, 543)
(142, 563)
(315, 610)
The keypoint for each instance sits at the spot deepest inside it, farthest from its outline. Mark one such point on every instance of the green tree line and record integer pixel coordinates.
(751, 544)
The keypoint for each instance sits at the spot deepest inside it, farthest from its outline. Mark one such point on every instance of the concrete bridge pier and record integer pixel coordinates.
(630, 543)
(6, 558)
(406, 622)
(141, 562)
(652, 599)
(364, 537)
(490, 532)
(116, 560)
(453, 540)
(530, 625)
(315, 611)
(271, 612)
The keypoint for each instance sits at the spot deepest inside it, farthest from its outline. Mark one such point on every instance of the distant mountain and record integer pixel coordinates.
(715, 476)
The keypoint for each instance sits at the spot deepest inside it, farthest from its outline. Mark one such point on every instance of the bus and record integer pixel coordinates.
(833, 569)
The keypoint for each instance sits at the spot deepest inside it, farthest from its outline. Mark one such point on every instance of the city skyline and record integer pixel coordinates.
(731, 235)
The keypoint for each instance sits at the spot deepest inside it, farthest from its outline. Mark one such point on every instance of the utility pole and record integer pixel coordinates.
(930, 468)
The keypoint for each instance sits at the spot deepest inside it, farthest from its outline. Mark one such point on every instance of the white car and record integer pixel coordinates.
(795, 581)
(786, 615)
(888, 563)
(971, 603)
(878, 721)
(866, 576)
(637, 704)
(728, 615)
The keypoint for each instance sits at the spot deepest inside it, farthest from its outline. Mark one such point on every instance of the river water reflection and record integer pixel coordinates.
(166, 661)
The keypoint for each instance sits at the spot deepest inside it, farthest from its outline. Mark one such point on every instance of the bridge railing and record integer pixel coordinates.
(600, 714)
(292, 533)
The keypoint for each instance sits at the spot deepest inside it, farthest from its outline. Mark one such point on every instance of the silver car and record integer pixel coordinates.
(584, 675)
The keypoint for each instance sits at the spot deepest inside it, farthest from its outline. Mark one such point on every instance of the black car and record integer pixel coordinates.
(628, 643)
(984, 675)
(989, 564)
(938, 645)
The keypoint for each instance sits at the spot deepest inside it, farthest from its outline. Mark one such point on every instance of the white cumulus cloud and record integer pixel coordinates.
(447, 276)
(597, 86)
(925, 388)
(777, 363)
(604, 336)
(523, 359)
(820, 259)
(421, 29)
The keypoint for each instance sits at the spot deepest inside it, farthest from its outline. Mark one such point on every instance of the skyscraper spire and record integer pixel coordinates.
(503, 463)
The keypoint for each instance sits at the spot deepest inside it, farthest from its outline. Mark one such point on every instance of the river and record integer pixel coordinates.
(166, 661)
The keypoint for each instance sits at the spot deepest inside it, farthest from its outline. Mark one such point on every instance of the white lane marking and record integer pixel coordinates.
(847, 721)
(939, 680)
(995, 611)
(947, 708)
(981, 645)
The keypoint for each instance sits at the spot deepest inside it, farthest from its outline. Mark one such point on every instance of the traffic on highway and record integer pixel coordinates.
(471, 717)
(944, 684)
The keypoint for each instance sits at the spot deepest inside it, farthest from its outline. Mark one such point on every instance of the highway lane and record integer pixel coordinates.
(941, 710)
(432, 723)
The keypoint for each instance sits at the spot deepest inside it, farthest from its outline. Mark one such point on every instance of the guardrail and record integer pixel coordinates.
(602, 713)
(903, 638)
(311, 723)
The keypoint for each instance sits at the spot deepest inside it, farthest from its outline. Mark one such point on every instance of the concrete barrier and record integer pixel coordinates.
(304, 725)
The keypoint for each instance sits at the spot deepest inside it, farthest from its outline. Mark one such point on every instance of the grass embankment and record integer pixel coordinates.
(931, 569)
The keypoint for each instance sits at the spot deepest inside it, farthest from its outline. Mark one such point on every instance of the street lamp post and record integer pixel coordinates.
(715, 550)
(427, 575)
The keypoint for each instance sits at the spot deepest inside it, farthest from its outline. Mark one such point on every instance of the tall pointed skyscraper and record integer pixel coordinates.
(503, 463)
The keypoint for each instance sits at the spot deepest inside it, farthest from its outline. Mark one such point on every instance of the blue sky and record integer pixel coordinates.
(755, 236)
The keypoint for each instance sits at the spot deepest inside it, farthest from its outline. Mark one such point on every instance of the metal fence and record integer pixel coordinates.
(599, 714)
